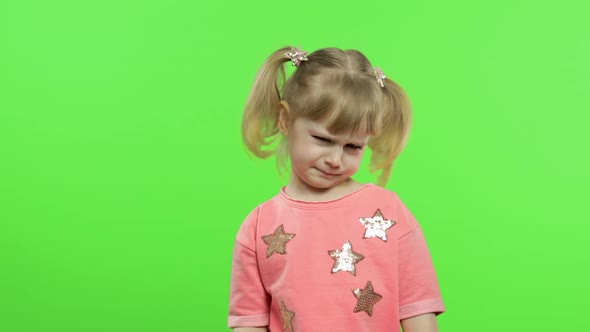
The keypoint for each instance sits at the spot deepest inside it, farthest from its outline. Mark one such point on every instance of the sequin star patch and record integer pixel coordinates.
(345, 259)
(287, 317)
(376, 226)
(276, 241)
(366, 299)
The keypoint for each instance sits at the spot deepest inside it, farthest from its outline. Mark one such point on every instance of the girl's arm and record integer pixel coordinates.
(420, 323)
(250, 329)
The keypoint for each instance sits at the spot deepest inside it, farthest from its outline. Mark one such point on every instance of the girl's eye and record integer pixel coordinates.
(355, 147)
(322, 139)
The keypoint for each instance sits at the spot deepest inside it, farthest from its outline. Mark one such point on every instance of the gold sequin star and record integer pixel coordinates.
(276, 241)
(345, 259)
(376, 226)
(366, 299)
(287, 318)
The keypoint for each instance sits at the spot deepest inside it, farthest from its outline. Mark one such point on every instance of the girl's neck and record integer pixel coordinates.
(303, 192)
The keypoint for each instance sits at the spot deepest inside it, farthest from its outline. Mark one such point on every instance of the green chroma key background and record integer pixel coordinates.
(123, 179)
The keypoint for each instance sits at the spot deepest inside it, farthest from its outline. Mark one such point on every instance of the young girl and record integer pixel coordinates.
(328, 253)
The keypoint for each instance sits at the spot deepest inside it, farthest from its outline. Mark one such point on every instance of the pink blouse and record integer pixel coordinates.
(357, 263)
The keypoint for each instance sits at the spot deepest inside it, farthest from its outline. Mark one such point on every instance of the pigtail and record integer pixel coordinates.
(395, 131)
(259, 120)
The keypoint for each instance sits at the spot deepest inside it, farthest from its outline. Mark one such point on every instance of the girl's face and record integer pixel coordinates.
(322, 162)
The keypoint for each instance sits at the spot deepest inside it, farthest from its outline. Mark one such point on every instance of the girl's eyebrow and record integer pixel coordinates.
(358, 143)
(319, 130)
(336, 138)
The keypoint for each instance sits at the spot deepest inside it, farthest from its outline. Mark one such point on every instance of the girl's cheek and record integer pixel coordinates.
(357, 161)
(354, 157)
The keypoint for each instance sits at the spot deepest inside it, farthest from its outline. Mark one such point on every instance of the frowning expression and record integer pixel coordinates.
(321, 159)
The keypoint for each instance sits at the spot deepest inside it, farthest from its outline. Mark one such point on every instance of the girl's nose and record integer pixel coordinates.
(334, 158)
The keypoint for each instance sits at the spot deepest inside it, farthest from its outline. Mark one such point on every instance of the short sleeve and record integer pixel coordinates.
(419, 291)
(248, 300)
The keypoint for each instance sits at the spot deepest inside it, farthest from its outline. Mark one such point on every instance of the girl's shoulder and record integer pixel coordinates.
(370, 206)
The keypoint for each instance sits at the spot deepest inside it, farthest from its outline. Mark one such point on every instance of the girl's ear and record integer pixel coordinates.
(283, 121)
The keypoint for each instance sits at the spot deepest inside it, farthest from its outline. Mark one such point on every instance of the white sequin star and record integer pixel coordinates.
(376, 226)
(345, 259)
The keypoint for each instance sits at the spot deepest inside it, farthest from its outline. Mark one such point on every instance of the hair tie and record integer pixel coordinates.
(380, 76)
(297, 55)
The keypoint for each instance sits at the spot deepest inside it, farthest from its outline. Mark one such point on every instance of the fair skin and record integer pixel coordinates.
(420, 323)
(322, 164)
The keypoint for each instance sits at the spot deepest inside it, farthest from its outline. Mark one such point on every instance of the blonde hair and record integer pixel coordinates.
(335, 85)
